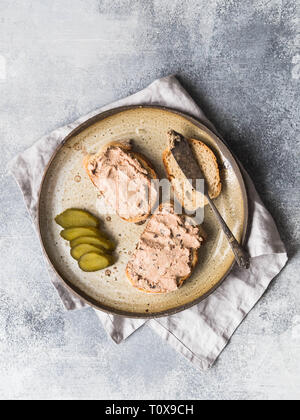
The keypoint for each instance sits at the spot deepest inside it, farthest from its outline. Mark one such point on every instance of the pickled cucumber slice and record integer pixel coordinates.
(83, 249)
(101, 242)
(70, 234)
(76, 218)
(94, 262)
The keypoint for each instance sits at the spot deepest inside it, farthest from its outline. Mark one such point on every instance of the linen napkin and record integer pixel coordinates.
(201, 332)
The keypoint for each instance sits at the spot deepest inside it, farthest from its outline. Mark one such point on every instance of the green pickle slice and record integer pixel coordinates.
(95, 262)
(107, 244)
(78, 251)
(70, 234)
(76, 218)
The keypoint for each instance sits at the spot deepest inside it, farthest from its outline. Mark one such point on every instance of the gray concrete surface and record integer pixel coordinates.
(60, 59)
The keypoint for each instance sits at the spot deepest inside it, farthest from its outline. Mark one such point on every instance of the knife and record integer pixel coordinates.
(183, 154)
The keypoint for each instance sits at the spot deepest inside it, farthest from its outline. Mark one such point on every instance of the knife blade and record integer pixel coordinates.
(183, 154)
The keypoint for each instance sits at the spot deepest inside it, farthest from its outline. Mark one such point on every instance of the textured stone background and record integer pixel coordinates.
(241, 61)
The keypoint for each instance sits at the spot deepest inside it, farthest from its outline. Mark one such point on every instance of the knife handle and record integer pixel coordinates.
(241, 256)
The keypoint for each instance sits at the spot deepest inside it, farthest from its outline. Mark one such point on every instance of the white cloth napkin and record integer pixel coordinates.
(199, 333)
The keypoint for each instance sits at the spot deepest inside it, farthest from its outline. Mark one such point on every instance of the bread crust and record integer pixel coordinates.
(146, 164)
(166, 155)
(194, 262)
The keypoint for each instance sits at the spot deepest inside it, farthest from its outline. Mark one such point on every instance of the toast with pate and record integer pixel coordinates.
(166, 253)
(188, 197)
(123, 178)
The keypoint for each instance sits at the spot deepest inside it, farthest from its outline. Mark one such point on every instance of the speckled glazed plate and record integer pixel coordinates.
(66, 185)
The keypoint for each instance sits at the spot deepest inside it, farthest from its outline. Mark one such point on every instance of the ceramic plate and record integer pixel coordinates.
(66, 185)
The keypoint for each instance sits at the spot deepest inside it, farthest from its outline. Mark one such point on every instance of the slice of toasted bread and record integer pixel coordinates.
(141, 159)
(188, 197)
(193, 260)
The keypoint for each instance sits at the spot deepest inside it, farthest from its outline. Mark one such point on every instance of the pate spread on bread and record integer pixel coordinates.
(166, 253)
(123, 178)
